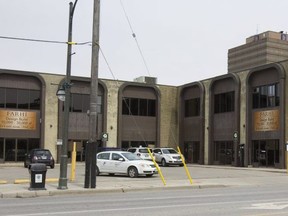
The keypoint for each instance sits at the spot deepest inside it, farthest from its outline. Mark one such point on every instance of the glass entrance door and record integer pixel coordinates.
(265, 152)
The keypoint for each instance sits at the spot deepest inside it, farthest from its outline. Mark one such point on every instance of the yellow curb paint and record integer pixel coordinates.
(3, 182)
(52, 180)
(21, 181)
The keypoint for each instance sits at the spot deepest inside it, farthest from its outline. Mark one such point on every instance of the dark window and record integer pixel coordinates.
(143, 107)
(151, 107)
(34, 99)
(137, 106)
(125, 106)
(125, 145)
(11, 98)
(85, 103)
(2, 97)
(81, 103)
(76, 103)
(266, 96)
(256, 97)
(19, 98)
(1, 148)
(23, 99)
(192, 107)
(277, 95)
(134, 106)
(224, 102)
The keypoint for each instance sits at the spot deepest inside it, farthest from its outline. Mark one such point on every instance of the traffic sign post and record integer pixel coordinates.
(105, 137)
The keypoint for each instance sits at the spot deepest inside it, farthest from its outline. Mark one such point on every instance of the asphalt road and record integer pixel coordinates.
(245, 200)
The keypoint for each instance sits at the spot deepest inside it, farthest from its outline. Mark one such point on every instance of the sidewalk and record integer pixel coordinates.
(202, 176)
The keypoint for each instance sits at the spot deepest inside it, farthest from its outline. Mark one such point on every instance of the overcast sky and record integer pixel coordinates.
(182, 41)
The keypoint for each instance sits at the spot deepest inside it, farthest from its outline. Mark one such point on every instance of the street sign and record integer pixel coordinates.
(105, 137)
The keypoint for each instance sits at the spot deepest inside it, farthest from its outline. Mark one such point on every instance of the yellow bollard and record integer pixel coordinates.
(157, 167)
(186, 169)
(73, 163)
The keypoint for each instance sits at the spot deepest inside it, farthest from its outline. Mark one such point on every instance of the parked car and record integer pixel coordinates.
(141, 152)
(123, 162)
(39, 156)
(167, 156)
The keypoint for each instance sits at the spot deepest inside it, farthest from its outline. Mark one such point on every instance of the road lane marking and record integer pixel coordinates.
(269, 206)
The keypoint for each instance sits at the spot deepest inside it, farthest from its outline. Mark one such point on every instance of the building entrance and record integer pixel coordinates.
(224, 154)
(192, 152)
(265, 153)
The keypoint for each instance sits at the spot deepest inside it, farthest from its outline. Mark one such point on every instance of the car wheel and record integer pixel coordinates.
(111, 174)
(132, 172)
(97, 171)
(163, 162)
(149, 175)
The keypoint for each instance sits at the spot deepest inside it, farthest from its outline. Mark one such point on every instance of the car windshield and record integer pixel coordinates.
(130, 156)
(42, 152)
(144, 150)
(169, 151)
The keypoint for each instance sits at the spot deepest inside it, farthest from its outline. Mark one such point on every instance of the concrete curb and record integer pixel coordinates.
(41, 193)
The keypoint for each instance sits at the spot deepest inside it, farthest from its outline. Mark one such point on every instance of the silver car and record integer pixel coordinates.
(167, 156)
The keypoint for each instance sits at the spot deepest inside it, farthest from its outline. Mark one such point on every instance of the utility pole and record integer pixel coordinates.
(91, 146)
(62, 183)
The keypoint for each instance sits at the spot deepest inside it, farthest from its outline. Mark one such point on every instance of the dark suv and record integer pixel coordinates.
(39, 156)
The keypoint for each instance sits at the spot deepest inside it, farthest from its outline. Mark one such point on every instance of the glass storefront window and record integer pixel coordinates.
(266, 96)
(265, 152)
(1, 149)
(10, 150)
(21, 149)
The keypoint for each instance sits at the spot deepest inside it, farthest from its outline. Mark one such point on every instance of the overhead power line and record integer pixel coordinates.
(134, 36)
(45, 41)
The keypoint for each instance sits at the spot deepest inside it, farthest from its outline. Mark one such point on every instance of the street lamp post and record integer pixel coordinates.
(62, 184)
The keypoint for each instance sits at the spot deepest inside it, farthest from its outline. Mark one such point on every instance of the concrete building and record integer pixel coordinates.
(237, 119)
(264, 48)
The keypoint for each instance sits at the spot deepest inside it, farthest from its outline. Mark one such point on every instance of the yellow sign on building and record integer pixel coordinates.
(266, 120)
(21, 120)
